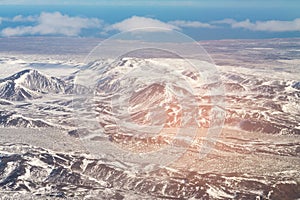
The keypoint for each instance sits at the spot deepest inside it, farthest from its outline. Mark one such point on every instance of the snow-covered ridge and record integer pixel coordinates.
(36, 81)
(254, 102)
(29, 84)
(29, 169)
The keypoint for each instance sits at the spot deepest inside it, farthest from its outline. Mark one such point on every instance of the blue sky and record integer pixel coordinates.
(199, 19)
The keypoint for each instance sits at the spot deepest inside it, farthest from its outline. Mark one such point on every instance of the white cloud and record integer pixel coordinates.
(224, 21)
(270, 26)
(52, 24)
(20, 18)
(141, 23)
(191, 24)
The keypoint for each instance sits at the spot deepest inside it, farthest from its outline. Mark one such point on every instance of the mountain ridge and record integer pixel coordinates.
(29, 84)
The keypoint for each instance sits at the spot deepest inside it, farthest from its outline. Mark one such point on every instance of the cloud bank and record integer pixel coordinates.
(191, 24)
(51, 24)
(269, 26)
(142, 23)
(21, 18)
(56, 23)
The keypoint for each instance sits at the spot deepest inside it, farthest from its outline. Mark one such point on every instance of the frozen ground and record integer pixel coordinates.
(57, 139)
(243, 166)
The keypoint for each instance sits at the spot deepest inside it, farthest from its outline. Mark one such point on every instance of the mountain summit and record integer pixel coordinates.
(29, 84)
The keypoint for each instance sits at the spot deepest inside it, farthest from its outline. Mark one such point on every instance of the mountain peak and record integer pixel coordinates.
(29, 84)
(17, 75)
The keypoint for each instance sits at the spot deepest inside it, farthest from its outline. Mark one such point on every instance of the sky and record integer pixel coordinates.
(199, 19)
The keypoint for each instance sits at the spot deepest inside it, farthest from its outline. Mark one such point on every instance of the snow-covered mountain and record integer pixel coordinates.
(13, 119)
(43, 173)
(120, 98)
(130, 88)
(144, 86)
(29, 84)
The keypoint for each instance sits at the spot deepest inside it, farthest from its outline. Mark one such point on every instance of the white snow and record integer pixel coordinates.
(218, 193)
